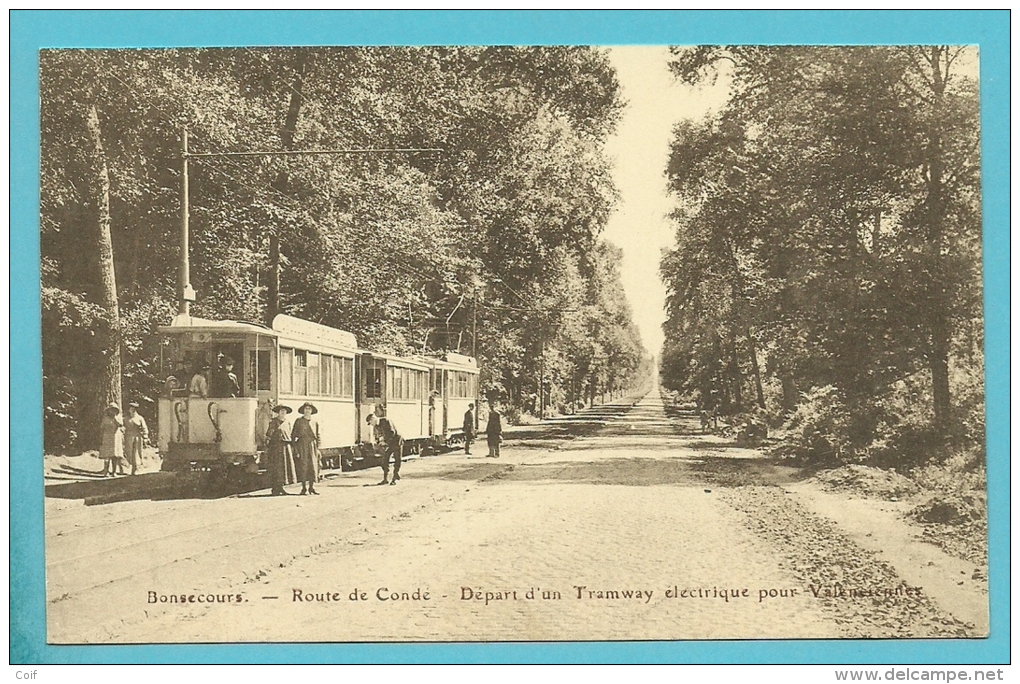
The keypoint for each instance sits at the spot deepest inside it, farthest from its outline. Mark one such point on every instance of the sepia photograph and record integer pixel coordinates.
(502, 343)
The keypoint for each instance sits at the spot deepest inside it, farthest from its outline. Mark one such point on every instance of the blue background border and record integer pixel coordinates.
(32, 30)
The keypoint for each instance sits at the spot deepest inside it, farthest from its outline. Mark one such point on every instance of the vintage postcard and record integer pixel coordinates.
(472, 343)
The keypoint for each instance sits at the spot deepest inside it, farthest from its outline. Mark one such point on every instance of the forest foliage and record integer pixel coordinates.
(495, 235)
(827, 272)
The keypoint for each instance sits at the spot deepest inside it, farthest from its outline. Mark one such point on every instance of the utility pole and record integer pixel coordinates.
(187, 294)
(474, 352)
(185, 274)
(474, 323)
(541, 376)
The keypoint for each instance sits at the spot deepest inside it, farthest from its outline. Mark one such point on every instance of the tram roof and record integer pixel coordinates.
(409, 361)
(286, 327)
(451, 360)
(183, 323)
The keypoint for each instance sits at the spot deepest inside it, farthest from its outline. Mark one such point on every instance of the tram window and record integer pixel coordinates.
(313, 373)
(300, 372)
(259, 370)
(347, 388)
(393, 377)
(286, 371)
(373, 383)
(462, 389)
(328, 384)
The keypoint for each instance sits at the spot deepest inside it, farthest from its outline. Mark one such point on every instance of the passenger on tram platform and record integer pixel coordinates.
(177, 381)
(199, 385)
(226, 380)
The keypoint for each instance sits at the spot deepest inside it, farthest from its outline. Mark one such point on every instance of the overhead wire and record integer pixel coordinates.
(291, 204)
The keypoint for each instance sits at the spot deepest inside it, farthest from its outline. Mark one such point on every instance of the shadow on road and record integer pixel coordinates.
(155, 487)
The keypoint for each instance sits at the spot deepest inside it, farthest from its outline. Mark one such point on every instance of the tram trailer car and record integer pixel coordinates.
(292, 362)
(453, 381)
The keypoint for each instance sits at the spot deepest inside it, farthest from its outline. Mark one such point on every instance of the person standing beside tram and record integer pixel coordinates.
(306, 448)
(136, 434)
(469, 428)
(391, 443)
(280, 462)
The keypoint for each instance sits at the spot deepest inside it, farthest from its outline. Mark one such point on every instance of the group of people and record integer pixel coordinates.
(493, 429)
(197, 384)
(122, 440)
(293, 450)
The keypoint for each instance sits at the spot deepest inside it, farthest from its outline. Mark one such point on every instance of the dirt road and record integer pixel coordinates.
(622, 523)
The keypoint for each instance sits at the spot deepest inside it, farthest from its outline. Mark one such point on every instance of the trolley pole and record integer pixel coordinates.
(186, 292)
(185, 274)
(541, 377)
(474, 323)
(474, 354)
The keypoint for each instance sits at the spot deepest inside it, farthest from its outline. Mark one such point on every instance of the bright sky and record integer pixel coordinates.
(640, 148)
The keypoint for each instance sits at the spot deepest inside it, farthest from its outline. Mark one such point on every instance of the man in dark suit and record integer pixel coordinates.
(469, 428)
(226, 379)
(392, 444)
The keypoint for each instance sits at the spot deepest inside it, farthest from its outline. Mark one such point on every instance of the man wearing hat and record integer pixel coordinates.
(226, 380)
(306, 448)
(392, 445)
(136, 433)
(469, 428)
(278, 439)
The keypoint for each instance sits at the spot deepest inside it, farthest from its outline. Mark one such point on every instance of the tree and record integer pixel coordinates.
(409, 251)
(809, 228)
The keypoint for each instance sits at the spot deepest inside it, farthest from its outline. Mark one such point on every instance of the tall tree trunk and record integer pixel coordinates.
(756, 371)
(938, 320)
(280, 185)
(876, 233)
(109, 389)
(738, 379)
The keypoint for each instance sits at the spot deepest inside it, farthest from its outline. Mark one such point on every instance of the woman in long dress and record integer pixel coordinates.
(111, 446)
(278, 440)
(306, 448)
